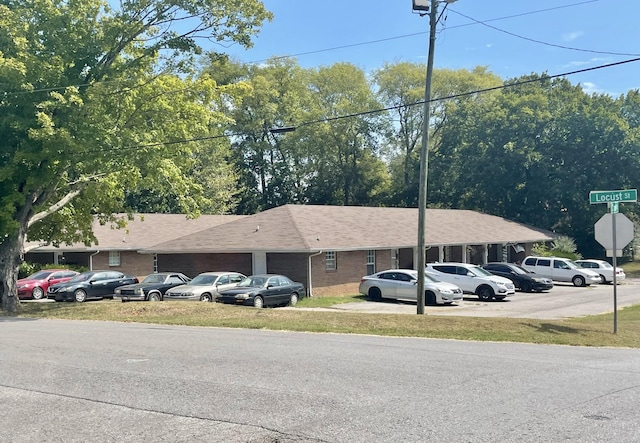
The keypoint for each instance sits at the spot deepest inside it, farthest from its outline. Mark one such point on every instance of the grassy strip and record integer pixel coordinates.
(587, 331)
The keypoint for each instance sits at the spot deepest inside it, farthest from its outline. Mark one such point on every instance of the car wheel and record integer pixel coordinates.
(430, 298)
(375, 294)
(155, 296)
(205, 297)
(525, 286)
(258, 302)
(80, 295)
(37, 293)
(485, 293)
(293, 300)
(603, 280)
(578, 280)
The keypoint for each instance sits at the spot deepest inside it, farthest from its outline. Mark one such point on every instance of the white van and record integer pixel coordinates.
(561, 269)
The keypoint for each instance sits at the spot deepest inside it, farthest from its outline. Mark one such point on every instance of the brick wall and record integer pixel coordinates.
(131, 263)
(194, 264)
(351, 266)
(293, 266)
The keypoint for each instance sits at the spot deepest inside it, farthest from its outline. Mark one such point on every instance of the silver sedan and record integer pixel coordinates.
(205, 286)
(401, 284)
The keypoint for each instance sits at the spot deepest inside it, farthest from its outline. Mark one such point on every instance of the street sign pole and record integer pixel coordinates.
(615, 268)
(613, 198)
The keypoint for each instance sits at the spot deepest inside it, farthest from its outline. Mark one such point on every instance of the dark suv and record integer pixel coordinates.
(524, 280)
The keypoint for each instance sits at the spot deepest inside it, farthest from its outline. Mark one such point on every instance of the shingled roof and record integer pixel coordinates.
(309, 228)
(144, 231)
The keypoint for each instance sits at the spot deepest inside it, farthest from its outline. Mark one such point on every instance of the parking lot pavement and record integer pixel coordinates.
(563, 301)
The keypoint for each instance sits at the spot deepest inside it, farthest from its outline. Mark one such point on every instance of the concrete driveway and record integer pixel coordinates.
(563, 301)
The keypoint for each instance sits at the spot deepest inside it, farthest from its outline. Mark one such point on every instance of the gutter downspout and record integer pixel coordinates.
(91, 259)
(310, 283)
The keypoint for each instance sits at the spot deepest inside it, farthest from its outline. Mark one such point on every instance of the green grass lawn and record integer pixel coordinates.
(587, 331)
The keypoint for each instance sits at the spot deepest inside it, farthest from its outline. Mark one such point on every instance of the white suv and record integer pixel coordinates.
(473, 279)
(561, 269)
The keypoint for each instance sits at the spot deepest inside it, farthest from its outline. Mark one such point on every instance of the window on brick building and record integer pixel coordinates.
(330, 262)
(114, 258)
(371, 262)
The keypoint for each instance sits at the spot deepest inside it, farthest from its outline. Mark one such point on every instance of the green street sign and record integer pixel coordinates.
(626, 195)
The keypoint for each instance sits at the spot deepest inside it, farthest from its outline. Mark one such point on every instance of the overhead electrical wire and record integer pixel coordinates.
(390, 108)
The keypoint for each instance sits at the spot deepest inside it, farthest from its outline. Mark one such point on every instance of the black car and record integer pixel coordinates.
(263, 290)
(523, 279)
(90, 285)
(152, 288)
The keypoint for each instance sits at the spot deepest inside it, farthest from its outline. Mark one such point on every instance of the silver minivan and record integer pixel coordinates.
(561, 269)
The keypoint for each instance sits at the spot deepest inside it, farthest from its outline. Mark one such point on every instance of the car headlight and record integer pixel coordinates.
(499, 283)
(446, 291)
(189, 294)
(117, 291)
(243, 296)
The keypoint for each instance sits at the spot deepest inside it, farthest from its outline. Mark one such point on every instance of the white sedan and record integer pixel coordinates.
(603, 268)
(401, 284)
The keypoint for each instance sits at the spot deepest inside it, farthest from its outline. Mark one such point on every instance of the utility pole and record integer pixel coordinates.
(422, 5)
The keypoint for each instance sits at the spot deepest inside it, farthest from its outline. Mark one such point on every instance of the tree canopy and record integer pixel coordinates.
(98, 102)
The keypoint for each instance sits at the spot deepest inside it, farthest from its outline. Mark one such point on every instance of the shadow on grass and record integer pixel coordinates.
(551, 328)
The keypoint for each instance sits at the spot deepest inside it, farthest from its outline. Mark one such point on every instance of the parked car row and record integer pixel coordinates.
(445, 283)
(226, 287)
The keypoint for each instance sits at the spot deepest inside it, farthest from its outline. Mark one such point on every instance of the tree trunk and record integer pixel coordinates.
(11, 254)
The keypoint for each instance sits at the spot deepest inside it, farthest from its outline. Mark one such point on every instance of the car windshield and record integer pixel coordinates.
(520, 270)
(203, 280)
(430, 278)
(255, 282)
(82, 277)
(154, 278)
(40, 275)
(480, 272)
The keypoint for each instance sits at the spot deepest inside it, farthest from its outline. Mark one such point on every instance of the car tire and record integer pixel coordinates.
(258, 302)
(578, 281)
(37, 293)
(375, 294)
(485, 293)
(603, 280)
(206, 297)
(293, 300)
(80, 295)
(155, 296)
(430, 298)
(525, 286)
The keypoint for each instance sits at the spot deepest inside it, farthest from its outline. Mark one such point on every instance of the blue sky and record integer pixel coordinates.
(517, 37)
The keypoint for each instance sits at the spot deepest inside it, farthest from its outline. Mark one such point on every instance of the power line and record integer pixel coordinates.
(353, 45)
(592, 51)
(474, 22)
(390, 108)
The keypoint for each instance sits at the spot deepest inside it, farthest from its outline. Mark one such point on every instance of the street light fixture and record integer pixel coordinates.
(432, 10)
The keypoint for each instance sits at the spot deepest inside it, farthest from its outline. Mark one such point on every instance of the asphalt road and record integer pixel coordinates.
(74, 381)
(563, 301)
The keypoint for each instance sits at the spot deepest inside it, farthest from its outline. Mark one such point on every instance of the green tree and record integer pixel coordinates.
(532, 153)
(96, 101)
(343, 143)
(401, 87)
(272, 165)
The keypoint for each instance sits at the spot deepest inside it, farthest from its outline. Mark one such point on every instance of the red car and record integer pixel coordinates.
(35, 286)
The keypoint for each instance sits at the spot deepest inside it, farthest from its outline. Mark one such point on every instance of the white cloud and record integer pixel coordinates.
(571, 36)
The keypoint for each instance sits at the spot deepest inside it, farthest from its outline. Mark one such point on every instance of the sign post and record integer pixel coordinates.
(608, 238)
